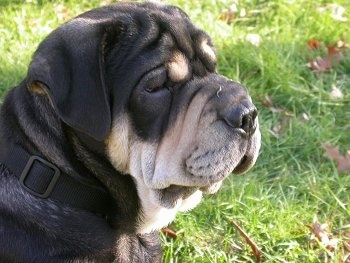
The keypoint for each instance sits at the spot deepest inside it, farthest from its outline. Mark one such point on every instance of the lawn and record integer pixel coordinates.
(294, 57)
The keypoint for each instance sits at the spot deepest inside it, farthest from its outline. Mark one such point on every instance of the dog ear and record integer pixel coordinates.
(70, 65)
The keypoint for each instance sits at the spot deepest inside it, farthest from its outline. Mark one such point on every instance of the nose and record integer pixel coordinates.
(241, 116)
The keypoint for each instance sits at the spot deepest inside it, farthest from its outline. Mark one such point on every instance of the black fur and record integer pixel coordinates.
(43, 230)
(70, 135)
(83, 76)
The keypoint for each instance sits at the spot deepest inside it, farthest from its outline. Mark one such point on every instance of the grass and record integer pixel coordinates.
(292, 182)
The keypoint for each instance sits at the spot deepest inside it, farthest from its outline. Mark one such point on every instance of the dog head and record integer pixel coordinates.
(141, 79)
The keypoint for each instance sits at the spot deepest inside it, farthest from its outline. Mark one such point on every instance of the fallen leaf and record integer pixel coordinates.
(304, 117)
(242, 12)
(323, 64)
(322, 235)
(342, 43)
(169, 232)
(346, 245)
(343, 161)
(255, 249)
(254, 39)
(62, 12)
(320, 64)
(337, 11)
(313, 43)
(268, 103)
(333, 50)
(277, 130)
(232, 13)
(334, 55)
(280, 129)
(336, 93)
(229, 15)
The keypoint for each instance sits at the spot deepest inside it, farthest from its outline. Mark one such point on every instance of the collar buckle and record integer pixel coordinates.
(34, 168)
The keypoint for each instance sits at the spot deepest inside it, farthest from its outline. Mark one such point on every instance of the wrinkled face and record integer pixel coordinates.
(140, 80)
(182, 128)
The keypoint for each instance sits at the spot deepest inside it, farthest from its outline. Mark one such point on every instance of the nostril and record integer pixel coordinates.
(241, 117)
(254, 113)
(248, 120)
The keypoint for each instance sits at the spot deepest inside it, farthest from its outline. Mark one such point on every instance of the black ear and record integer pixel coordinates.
(70, 63)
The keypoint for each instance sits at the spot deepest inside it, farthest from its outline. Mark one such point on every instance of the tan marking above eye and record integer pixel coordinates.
(178, 67)
(207, 50)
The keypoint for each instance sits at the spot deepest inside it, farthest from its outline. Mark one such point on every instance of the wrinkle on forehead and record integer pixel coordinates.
(178, 67)
(208, 50)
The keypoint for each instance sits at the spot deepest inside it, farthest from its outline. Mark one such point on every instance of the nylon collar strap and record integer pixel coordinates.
(44, 180)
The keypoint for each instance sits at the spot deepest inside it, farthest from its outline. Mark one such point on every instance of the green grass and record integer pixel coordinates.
(292, 182)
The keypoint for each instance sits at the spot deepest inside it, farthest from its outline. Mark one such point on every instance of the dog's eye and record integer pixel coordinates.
(153, 89)
(155, 80)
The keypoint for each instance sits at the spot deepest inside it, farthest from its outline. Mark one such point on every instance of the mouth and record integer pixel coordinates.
(244, 165)
(171, 195)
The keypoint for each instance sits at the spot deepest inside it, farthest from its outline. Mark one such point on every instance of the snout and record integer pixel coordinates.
(216, 132)
(228, 137)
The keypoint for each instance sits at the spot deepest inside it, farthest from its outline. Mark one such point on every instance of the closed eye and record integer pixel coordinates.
(155, 80)
(151, 89)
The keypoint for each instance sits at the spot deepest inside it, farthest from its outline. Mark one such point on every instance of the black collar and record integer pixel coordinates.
(44, 180)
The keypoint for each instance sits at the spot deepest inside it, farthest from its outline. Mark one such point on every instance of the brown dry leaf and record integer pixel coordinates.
(232, 13)
(323, 64)
(268, 103)
(280, 129)
(346, 245)
(229, 15)
(322, 235)
(313, 43)
(320, 64)
(169, 232)
(343, 161)
(255, 249)
(334, 55)
(334, 50)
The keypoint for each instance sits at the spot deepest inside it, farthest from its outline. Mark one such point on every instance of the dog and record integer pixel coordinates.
(121, 122)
